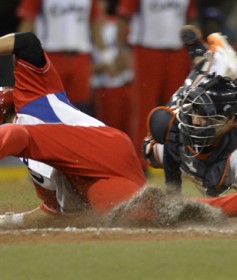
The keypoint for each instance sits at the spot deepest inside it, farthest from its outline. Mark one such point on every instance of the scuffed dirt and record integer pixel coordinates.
(149, 216)
(152, 208)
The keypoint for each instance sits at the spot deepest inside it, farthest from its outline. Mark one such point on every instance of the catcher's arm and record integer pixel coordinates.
(159, 121)
(164, 132)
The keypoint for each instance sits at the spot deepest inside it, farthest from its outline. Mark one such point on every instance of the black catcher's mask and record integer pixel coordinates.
(214, 102)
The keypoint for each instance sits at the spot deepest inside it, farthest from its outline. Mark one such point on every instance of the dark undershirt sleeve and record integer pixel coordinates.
(28, 47)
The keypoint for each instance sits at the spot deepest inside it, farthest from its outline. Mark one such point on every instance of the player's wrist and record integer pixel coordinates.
(107, 57)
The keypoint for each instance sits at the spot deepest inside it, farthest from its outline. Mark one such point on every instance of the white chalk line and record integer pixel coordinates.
(192, 229)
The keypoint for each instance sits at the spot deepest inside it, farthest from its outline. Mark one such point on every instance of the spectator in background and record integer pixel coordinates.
(212, 20)
(218, 16)
(112, 84)
(231, 22)
(154, 34)
(66, 29)
(225, 6)
(8, 24)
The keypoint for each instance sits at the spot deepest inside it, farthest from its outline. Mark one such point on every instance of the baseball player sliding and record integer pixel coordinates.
(75, 161)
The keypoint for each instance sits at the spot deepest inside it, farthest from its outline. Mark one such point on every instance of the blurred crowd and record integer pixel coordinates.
(118, 59)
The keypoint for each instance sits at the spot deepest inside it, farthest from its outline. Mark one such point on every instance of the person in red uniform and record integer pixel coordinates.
(154, 27)
(95, 163)
(66, 30)
(112, 84)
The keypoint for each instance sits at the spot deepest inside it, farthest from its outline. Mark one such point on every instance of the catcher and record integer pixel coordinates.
(196, 133)
(76, 162)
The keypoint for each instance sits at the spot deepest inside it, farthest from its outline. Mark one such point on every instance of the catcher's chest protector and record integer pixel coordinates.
(210, 173)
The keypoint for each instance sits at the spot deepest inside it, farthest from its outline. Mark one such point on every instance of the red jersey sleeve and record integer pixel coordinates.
(28, 9)
(192, 12)
(126, 8)
(96, 11)
(32, 82)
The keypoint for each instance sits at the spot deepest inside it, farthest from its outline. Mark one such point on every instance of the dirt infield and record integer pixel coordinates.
(77, 235)
(150, 215)
(200, 222)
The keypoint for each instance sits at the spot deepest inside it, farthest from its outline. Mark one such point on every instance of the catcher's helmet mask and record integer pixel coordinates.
(214, 102)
